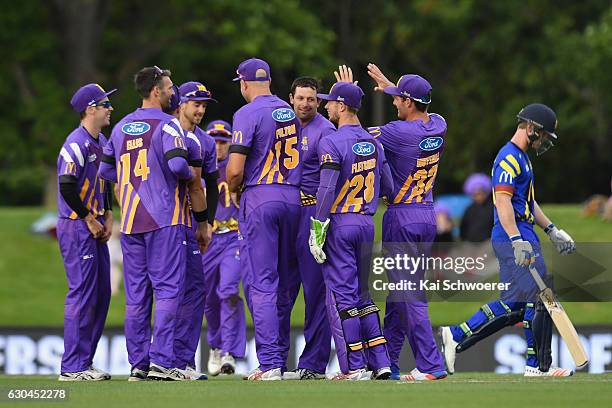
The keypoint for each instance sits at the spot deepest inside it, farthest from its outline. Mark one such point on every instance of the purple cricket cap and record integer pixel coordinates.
(253, 69)
(349, 94)
(88, 95)
(411, 86)
(195, 91)
(477, 181)
(219, 130)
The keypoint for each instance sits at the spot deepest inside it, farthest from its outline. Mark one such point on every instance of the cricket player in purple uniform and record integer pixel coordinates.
(147, 155)
(194, 98)
(84, 226)
(353, 174)
(516, 246)
(265, 161)
(314, 358)
(224, 307)
(414, 145)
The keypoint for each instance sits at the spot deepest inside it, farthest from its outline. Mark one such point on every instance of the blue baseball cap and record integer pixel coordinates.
(195, 91)
(349, 94)
(411, 86)
(88, 95)
(253, 69)
(219, 130)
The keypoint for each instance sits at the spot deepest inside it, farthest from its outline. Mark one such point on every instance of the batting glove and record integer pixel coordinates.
(523, 252)
(561, 239)
(316, 240)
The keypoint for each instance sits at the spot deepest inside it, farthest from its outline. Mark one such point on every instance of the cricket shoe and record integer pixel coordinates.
(273, 374)
(552, 372)
(138, 375)
(214, 362)
(449, 347)
(85, 375)
(103, 374)
(228, 364)
(159, 373)
(303, 374)
(354, 375)
(193, 375)
(416, 375)
(383, 373)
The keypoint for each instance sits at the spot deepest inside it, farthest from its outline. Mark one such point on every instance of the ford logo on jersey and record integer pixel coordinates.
(135, 128)
(364, 148)
(283, 115)
(431, 143)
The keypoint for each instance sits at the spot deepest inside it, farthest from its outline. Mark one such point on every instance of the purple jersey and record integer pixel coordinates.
(311, 134)
(360, 159)
(268, 131)
(80, 157)
(151, 196)
(413, 150)
(209, 151)
(226, 217)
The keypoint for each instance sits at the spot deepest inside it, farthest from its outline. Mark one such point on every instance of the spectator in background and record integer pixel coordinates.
(444, 223)
(477, 220)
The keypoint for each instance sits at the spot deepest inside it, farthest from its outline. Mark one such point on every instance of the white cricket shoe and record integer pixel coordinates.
(354, 375)
(214, 362)
(273, 374)
(303, 374)
(416, 375)
(85, 375)
(383, 373)
(138, 375)
(228, 364)
(100, 373)
(159, 373)
(193, 375)
(552, 372)
(449, 346)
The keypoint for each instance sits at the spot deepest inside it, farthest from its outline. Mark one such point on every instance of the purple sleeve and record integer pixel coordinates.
(180, 168)
(108, 167)
(243, 130)
(326, 192)
(194, 150)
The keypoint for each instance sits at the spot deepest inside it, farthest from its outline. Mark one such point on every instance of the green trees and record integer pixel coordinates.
(484, 59)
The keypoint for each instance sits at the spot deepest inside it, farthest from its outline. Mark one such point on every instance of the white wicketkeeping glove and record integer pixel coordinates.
(316, 240)
(523, 252)
(561, 239)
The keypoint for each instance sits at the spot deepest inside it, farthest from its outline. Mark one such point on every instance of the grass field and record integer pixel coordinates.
(34, 285)
(461, 390)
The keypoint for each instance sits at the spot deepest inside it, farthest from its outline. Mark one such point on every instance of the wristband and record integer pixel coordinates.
(516, 238)
(549, 228)
(201, 216)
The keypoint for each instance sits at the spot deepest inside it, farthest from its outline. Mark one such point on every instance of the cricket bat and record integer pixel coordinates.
(562, 322)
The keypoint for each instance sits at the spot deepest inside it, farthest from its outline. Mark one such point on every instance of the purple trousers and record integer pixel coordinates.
(352, 315)
(269, 217)
(191, 309)
(224, 308)
(410, 229)
(317, 332)
(87, 265)
(154, 266)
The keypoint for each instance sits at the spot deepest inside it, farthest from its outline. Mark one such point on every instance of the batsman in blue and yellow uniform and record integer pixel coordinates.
(353, 174)
(516, 246)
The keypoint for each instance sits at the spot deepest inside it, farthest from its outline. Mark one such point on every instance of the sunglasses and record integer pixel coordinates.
(199, 94)
(105, 104)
